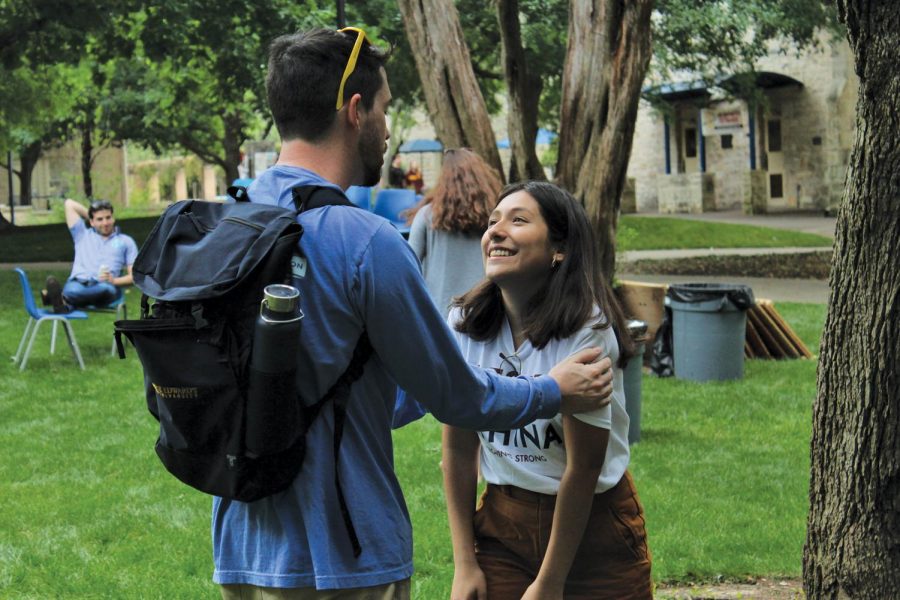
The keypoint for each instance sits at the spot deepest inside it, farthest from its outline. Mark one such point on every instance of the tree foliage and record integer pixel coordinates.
(36, 107)
(197, 78)
(53, 31)
(716, 37)
(40, 42)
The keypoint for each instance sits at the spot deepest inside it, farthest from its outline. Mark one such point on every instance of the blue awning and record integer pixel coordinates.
(698, 88)
(421, 146)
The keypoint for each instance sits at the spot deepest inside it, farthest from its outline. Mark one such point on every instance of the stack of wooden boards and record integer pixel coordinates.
(768, 336)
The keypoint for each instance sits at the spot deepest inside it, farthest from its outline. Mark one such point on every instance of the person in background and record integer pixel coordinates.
(359, 282)
(414, 177)
(560, 517)
(103, 260)
(396, 176)
(446, 226)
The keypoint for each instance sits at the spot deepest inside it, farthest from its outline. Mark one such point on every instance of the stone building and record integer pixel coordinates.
(57, 174)
(116, 176)
(788, 151)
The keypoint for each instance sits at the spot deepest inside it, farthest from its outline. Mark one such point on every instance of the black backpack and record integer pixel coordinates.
(202, 271)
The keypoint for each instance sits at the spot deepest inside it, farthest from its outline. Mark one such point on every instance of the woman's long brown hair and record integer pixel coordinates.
(464, 196)
(566, 301)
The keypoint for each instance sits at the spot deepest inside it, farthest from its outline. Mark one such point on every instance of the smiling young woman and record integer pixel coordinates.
(560, 516)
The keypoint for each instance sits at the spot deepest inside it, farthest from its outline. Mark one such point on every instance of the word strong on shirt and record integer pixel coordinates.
(522, 437)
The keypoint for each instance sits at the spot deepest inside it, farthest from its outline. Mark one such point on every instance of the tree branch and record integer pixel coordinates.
(202, 152)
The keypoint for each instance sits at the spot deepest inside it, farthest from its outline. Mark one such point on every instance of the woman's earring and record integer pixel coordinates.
(554, 262)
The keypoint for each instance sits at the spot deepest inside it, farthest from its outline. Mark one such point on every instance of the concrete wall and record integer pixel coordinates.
(686, 193)
(818, 122)
(727, 121)
(647, 158)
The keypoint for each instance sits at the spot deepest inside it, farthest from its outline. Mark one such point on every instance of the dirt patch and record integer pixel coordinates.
(806, 265)
(759, 589)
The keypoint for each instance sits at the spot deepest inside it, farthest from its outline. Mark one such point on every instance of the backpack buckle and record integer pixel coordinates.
(197, 313)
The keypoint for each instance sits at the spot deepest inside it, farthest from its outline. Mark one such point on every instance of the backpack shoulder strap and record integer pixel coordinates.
(308, 197)
(339, 394)
(238, 192)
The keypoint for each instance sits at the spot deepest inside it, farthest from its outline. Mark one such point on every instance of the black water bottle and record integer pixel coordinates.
(274, 413)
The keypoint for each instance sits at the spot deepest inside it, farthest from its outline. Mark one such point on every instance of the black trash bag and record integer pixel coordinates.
(662, 360)
(741, 296)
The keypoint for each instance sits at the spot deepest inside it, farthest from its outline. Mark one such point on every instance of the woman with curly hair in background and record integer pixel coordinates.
(447, 225)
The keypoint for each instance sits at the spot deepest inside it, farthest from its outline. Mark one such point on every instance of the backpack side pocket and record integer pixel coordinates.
(192, 385)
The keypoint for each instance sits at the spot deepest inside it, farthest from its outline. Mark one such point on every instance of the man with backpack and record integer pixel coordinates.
(358, 278)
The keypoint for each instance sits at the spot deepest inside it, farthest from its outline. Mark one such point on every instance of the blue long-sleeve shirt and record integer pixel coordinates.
(359, 275)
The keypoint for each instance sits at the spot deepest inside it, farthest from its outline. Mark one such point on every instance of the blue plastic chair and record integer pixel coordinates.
(360, 196)
(390, 203)
(117, 306)
(36, 316)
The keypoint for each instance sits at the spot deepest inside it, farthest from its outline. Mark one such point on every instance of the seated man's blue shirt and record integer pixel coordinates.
(92, 250)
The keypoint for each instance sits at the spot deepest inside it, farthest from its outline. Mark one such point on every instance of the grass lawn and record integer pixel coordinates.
(657, 233)
(51, 242)
(90, 513)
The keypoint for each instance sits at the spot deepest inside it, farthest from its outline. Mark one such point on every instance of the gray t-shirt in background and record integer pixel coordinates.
(451, 262)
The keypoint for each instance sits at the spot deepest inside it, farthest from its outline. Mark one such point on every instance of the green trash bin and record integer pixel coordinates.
(709, 324)
(632, 379)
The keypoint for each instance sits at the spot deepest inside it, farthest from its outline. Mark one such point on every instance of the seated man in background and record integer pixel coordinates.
(103, 259)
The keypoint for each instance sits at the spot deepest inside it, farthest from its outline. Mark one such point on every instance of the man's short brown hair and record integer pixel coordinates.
(304, 75)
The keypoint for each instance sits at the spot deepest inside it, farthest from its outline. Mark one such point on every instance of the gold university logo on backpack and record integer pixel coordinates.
(176, 393)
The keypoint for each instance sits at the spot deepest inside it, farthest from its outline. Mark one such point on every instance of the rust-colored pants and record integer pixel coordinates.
(512, 530)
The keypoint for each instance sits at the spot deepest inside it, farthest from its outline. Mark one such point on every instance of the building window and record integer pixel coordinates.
(690, 142)
(775, 186)
(774, 136)
(726, 142)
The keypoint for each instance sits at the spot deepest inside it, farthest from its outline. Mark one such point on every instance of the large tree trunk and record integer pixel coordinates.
(4, 224)
(606, 59)
(87, 159)
(524, 94)
(28, 159)
(234, 137)
(455, 103)
(853, 534)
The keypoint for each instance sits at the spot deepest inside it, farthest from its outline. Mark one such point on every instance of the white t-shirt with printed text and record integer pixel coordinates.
(533, 457)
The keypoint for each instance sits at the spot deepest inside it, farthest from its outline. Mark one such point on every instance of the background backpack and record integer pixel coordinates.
(202, 271)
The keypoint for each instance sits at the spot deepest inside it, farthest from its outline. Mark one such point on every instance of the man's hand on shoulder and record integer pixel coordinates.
(585, 381)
